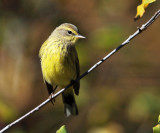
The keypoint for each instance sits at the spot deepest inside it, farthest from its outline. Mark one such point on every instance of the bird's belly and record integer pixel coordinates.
(59, 70)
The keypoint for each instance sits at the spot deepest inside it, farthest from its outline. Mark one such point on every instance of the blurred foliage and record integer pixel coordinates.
(120, 96)
(107, 37)
(19, 130)
(143, 105)
(6, 112)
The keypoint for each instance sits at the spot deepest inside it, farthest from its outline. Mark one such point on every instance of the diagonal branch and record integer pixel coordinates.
(142, 28)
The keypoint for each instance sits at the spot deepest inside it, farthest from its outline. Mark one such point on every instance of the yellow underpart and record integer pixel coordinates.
(58, 62)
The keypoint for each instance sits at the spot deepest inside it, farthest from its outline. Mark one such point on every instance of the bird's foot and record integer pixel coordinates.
(52, 100)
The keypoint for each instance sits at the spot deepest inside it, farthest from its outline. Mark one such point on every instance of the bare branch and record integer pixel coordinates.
(142, 28)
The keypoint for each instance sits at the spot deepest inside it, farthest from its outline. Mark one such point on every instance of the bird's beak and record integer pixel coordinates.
(79, 36)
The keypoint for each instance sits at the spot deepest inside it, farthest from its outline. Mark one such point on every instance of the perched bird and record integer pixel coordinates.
(60, 64)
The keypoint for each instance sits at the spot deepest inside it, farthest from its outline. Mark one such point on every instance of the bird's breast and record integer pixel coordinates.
(58, 65)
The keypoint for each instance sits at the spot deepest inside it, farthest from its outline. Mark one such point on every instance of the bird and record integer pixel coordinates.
(60, 64)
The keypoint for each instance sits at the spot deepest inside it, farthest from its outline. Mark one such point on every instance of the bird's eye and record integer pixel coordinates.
(69, 32)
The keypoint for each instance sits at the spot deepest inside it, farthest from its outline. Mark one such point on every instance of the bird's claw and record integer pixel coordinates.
(52, 100)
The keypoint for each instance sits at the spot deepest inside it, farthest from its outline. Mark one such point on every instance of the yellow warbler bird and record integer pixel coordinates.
(60, 64)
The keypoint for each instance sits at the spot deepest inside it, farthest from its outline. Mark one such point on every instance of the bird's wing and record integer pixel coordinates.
(76, 86)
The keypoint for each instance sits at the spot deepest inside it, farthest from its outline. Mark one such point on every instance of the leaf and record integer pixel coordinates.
(62, 129)
(141, 8)
(156, 129)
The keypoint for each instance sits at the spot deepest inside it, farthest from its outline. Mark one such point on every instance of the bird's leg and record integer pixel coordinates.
(55, 89)
(53, 100)
(51, 91)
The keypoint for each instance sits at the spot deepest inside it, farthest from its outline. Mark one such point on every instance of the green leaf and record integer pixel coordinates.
(62, 129)
(156, 129)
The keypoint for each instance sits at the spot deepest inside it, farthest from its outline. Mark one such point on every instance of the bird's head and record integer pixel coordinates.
(67, 32)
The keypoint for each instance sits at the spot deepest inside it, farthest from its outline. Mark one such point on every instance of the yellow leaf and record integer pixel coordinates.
(141, 8)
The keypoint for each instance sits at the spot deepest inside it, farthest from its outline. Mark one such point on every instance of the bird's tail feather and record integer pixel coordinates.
(70, 107)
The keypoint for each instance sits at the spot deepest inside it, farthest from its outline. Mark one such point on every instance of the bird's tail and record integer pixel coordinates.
(70, 107)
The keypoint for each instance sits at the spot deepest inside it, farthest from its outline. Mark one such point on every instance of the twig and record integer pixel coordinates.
(142, 28)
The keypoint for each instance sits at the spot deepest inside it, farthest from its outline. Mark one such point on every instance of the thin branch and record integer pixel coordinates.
(142, 28)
